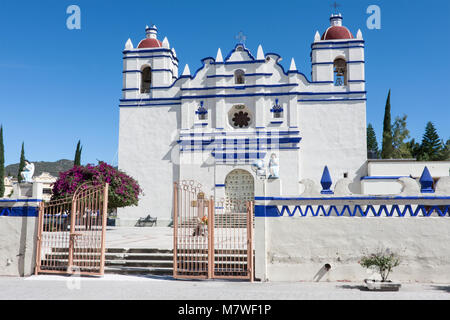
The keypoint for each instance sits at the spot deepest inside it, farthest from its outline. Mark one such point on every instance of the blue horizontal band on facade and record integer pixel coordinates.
(19, 211)
(139, 51)
(20, 200)
(276, 122)
(337, 42)
(220, 186)
(153, 70)
(383, 177)
(322, 82)
(271, 94)
(235, 156)
(332, 62)
(356, 80)
(216, 149)
(239, 141)
(239, 62)
(358, 210)
(257, 133)
(200, 124)
(150, 105)
(243, 87)
(221, 76)
(130, 89)
(336, 48)
(331, 100)
(258, 74)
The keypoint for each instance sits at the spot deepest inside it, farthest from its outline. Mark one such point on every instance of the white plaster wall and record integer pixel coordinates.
(381, 187)
(298, 247)
(146, 139)
(333, 134)
(406, 168)
(18, 237)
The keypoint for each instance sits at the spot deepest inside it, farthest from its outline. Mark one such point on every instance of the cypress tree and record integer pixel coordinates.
(77, 159)
(372, 144)
(21, 164)
(432, 146)
(387, 148)
(2, 164)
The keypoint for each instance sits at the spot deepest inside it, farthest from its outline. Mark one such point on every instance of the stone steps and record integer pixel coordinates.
(145, 261)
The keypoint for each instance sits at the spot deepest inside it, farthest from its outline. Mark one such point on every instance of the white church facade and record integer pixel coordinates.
(241, 125)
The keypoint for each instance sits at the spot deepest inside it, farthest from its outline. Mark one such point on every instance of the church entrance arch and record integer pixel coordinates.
(239, 189)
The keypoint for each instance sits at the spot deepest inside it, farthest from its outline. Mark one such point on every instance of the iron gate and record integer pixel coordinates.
(211, 240)
(71, 237)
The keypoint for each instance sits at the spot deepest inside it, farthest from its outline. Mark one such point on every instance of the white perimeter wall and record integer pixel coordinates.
(297, 248)
(18, 237)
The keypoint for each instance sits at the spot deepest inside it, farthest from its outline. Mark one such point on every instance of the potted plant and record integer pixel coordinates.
(383, 261)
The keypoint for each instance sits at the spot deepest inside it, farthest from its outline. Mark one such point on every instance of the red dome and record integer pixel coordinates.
(337, 32)
(150, 43)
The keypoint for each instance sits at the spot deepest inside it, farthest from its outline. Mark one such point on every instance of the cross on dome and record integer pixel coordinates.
(241, 37)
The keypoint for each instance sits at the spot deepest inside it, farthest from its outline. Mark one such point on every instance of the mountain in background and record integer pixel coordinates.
(54, 168)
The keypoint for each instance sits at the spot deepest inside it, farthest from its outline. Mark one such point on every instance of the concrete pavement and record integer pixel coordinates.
(117, 287)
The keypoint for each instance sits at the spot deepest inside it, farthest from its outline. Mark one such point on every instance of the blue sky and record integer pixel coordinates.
(59, 85)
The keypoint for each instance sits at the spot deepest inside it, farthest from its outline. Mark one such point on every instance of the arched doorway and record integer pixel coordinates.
(239, 188)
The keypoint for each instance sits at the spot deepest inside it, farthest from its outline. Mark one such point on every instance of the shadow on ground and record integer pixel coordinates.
(354, 287)
(442, 288)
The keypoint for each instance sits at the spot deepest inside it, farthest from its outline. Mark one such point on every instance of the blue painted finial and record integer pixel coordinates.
(426, 182)
(326, 182)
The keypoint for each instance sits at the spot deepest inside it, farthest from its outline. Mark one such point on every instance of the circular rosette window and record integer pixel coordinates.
(240, 117)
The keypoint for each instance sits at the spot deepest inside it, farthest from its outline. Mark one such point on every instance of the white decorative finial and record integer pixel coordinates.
(260, 53)
(186, 71)
(317, 36)
(359, 34)
(165, 43)
(219, 57)
(293, 67)
(129, 44)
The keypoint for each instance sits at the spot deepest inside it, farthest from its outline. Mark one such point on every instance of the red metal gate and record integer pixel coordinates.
(209, 241)
(71, 237)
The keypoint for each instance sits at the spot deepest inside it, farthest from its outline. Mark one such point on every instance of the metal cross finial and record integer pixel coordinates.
(241, 37)
(335, 5)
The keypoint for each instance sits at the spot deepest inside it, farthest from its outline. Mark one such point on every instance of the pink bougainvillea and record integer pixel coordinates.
(124, 191)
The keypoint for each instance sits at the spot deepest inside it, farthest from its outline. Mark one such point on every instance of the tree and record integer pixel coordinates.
(21, 164)
(77, 160)
(387, 149)
(372, 144)
(399, 135)
(414, 148)
(124, 191)
(2, 164)
(432, 146)
(446, 151)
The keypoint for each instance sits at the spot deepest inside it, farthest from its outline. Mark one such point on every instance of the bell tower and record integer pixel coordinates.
(337, 57)
(150, 66)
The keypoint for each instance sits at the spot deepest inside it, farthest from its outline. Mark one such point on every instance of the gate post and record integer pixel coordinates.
(250, 265)
(175, 227)
(211, 238)
(104, 219)
(72, 233)
(39, 238)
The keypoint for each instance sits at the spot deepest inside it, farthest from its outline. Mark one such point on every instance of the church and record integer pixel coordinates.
(241, 125)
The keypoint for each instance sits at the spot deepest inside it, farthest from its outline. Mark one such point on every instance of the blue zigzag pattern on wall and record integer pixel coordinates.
(19, 211)
(426, 211)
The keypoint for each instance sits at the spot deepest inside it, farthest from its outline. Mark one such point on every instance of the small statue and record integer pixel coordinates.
(274, 167)
(28, 171)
